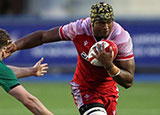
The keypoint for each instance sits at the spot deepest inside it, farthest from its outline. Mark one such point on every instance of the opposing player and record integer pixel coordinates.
(94, 88)
(10, 83)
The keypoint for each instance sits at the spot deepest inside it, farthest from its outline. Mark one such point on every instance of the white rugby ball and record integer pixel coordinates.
(107, 44)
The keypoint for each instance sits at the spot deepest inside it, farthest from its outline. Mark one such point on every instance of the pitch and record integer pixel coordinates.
(141, 99)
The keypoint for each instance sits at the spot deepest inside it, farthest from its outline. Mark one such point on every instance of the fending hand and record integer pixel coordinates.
(8, 50)
(11, 48)
(40, 69)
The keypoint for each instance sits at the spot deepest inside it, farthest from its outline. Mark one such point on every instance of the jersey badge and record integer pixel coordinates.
(85, 43)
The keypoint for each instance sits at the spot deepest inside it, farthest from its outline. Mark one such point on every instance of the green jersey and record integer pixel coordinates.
(8, 79)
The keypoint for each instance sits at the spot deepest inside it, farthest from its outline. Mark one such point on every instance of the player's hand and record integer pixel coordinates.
(4, 53)
(8, 49)
(11, 48)
(39, 68)
(105, 58)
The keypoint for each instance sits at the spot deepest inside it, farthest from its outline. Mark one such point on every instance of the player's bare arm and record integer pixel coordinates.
(38, 69)
(125, 69)
(126, 76)
(29, 101)
(35, 39)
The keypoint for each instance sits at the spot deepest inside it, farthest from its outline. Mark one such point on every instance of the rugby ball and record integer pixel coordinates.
(107, 45)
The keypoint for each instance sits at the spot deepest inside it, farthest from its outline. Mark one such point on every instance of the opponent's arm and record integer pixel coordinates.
(35, 39)
(29, 101)
(37, 70)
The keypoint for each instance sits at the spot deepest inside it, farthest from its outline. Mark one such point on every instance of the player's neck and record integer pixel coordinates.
(98, 38)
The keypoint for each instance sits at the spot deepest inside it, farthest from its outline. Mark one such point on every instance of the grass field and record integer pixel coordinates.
(141, 99)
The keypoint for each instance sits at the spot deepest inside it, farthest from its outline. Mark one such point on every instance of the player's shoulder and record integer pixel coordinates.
(2, 65)
(5, 71)
(119, 33)
(118, 29)
(83, 26)
(84, 22)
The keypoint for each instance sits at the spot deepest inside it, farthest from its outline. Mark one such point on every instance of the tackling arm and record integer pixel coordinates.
(29, 101)
(22, 72)
(37, 70)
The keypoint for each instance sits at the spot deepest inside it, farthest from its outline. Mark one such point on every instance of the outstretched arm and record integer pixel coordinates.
(29, 101)
(35, 39)
(37, 70)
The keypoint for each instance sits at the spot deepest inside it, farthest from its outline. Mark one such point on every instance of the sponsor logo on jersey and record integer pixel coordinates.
(84, 56)
(85, 43)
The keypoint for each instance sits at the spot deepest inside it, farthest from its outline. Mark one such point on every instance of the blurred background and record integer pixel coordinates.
(140, 17)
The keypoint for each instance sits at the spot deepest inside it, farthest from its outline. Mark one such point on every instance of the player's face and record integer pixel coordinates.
(102, 29)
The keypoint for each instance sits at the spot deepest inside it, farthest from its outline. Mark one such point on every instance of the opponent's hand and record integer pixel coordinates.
(40, 69)
(105, 58)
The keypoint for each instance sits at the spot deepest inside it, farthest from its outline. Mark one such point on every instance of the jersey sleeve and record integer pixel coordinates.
(6, 73)
(125, 47)
(71, 30)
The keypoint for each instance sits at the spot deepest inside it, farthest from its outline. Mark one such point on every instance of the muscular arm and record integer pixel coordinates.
(29, 101)
(38, 38)
(127, 68)
(126, 76)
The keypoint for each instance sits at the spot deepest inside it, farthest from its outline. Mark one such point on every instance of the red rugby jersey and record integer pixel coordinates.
(87, 75)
